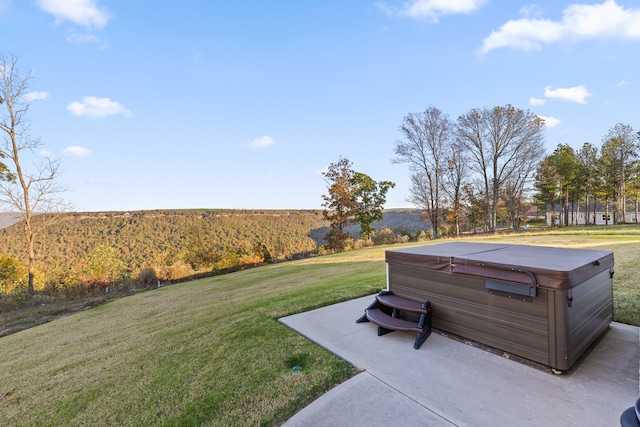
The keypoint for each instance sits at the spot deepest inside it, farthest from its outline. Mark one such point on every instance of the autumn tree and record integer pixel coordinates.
(340, 203)
(28, 191)
(11, 273)
(353, 198)
(104, 266)
(497, 139)
(476, 207)
(198, 248)
(425, 146)
(370, 197)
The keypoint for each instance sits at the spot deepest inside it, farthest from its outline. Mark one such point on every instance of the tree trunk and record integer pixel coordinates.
(586, 209)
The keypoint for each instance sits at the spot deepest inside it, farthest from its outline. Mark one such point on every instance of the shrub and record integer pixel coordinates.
(422, 236)
(146, 278)
(12, 275)
(386, 236)
(177, 270)
(103, 266)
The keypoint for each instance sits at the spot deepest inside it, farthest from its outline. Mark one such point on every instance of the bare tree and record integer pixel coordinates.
(455, 176)
(496, 138)
(29, 192)
(516, 186)
(426, 144)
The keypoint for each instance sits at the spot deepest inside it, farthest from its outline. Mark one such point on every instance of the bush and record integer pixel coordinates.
(386, 236)
(363, 243)
(13, 275)
(422, 236)
(146, 278)
(177, 270)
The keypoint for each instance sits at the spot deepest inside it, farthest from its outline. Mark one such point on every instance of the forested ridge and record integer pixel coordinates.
(192, 241)
(160, 237)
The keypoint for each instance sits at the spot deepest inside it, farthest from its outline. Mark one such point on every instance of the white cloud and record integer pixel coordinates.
(86, 13)
(531, 10)
(574, 94)
(97, 108)
(579, 22)
(35, 96)
(550, 122)
(262, 142)
(536, 101)
(76, 151)
(622, 83)
(431, 10)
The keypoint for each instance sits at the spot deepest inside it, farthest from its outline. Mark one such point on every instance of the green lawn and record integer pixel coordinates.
(211, 352)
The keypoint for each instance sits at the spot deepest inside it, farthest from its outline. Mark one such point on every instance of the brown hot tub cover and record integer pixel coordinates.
(554, 268)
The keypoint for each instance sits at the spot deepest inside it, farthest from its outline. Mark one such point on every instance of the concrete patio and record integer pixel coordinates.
(448, 382)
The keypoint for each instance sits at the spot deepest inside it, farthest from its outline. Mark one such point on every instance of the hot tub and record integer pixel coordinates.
(544, 304)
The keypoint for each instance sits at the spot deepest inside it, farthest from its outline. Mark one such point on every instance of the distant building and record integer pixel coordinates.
(577, 215)
(534, 212)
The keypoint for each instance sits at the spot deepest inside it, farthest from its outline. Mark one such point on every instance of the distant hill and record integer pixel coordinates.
(8, 218)
(161, 237)
(403, 219)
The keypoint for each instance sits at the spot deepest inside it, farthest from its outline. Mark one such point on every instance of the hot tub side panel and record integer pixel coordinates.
(462, 305)
(580, 315)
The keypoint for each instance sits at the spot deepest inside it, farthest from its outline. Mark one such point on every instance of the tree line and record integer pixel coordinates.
(604, 178)
(96, 249)
(490, 166)
(470, 172)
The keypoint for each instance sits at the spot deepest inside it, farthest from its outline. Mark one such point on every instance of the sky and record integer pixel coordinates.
(242, 104)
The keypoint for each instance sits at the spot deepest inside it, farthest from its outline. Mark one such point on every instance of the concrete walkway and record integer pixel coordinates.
(449, 383)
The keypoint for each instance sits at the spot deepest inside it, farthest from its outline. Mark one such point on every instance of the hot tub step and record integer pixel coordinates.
(382, 319)
(403, 304)
(386, 312)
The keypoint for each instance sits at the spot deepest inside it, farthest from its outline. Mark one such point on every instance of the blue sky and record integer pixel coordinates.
(242, 104)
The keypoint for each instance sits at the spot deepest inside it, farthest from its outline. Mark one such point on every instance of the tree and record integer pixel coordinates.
(340, 203)
(496, 139)
(11, 274)
(476, 205)
(353, 198)
(546, 184)
(198, 249)
(620, 150)
(633, 189)
(28, 192)
(455, 176)
(588, 176)
(370, 197)
(104, 266)
(567, 167)
(426, 144)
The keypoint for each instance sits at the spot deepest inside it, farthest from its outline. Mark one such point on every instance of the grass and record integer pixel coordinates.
(211, 352)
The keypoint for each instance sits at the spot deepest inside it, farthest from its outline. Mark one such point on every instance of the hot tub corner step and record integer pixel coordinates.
(394, 301)
(386, 311)
(380, 318)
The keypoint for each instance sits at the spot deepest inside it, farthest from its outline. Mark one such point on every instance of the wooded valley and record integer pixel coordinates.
(140, 247)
